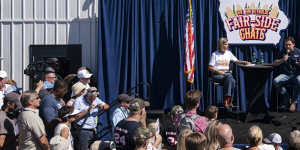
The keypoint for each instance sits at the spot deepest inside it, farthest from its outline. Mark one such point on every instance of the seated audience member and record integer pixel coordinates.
(212, 136)
(181, 138)
(219, 66)
(169, 132)
(190, 119)
(255, 138)
(294, 140)
(3, 80)
(289, 74)
(32, 130)
(122, 111)
(123, 133)
(78, 89)
(274, 139)
(225, 137)
(50, 105)
(8, 137)
(141, 138)
(211, 113)
(88, 123)
(195, 141)
(155, 141)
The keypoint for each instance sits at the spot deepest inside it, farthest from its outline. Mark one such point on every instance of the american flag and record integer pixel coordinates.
(189, 65)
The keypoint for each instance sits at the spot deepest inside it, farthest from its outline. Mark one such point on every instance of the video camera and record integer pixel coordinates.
(37, 70)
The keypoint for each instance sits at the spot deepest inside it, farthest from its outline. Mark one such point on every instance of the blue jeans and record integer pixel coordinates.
(282, 81)
(85, 139)
(227, 81)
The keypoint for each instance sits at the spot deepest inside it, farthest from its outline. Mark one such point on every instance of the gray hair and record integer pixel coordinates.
(28, 96)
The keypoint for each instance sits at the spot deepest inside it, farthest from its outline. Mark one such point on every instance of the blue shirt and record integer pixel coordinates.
(81, 104)
(119, 114)
(49, 108)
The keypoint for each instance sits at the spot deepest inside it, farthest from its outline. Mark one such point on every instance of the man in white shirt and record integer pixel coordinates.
(88, 123)
(219, 66)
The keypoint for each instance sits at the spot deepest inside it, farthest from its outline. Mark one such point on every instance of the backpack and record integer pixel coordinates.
(185, 121)
(59, 143)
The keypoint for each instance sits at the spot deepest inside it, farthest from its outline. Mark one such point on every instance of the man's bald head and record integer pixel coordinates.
(225, 135)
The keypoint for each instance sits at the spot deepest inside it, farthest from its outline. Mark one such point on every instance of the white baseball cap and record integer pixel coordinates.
(84, 74)
(273, 138)
(3, 74)
(75, 112)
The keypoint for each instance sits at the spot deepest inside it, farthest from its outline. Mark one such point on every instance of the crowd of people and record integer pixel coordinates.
(44, 119)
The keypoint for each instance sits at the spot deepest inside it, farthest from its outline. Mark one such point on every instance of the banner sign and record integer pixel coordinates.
(252, 21)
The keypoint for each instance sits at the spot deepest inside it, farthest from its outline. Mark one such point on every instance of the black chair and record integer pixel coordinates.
(214, 85)
(290, 93)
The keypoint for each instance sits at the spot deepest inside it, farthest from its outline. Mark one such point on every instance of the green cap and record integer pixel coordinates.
(137, 104)
(142, 134)
(176, 110)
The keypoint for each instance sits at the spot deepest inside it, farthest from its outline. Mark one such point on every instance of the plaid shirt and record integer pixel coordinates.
(200, 122)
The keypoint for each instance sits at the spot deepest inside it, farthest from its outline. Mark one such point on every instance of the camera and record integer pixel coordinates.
(36, 70)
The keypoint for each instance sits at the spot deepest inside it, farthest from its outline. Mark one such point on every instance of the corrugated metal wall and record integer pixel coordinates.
(27, 22)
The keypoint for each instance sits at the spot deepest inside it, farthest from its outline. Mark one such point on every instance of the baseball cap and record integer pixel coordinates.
(137, 104)
(12, 97)
(93, 90)
(75, 112)
(84, 74)
(3, 74)
(142, 134)
(176, 110)
(77, 88)
(124, 97)
(273, 138)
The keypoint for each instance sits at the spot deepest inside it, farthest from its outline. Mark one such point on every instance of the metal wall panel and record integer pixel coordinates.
(27, 22)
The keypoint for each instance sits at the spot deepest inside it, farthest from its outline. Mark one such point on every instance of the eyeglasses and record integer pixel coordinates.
(52, 77)
(37, 98)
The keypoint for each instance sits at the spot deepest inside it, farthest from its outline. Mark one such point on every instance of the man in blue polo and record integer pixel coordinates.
(88, 123)
(50, 105)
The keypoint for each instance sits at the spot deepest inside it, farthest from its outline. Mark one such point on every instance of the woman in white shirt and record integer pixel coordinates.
(219, 66)
(67, 115)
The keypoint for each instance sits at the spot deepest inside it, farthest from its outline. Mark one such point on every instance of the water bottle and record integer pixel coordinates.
(253, 58)
(262, 58)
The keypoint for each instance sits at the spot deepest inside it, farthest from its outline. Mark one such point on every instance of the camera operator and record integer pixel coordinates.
(289, 68)
(8, 132)
(87, 125)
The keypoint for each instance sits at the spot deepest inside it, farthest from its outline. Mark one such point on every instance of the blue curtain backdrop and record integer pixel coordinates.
(141, 41)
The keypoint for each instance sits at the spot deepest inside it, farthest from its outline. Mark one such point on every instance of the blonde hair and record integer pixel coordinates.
(195, 141)
(221, 41)
(181, 138)
(211, 134)
(255, 135)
